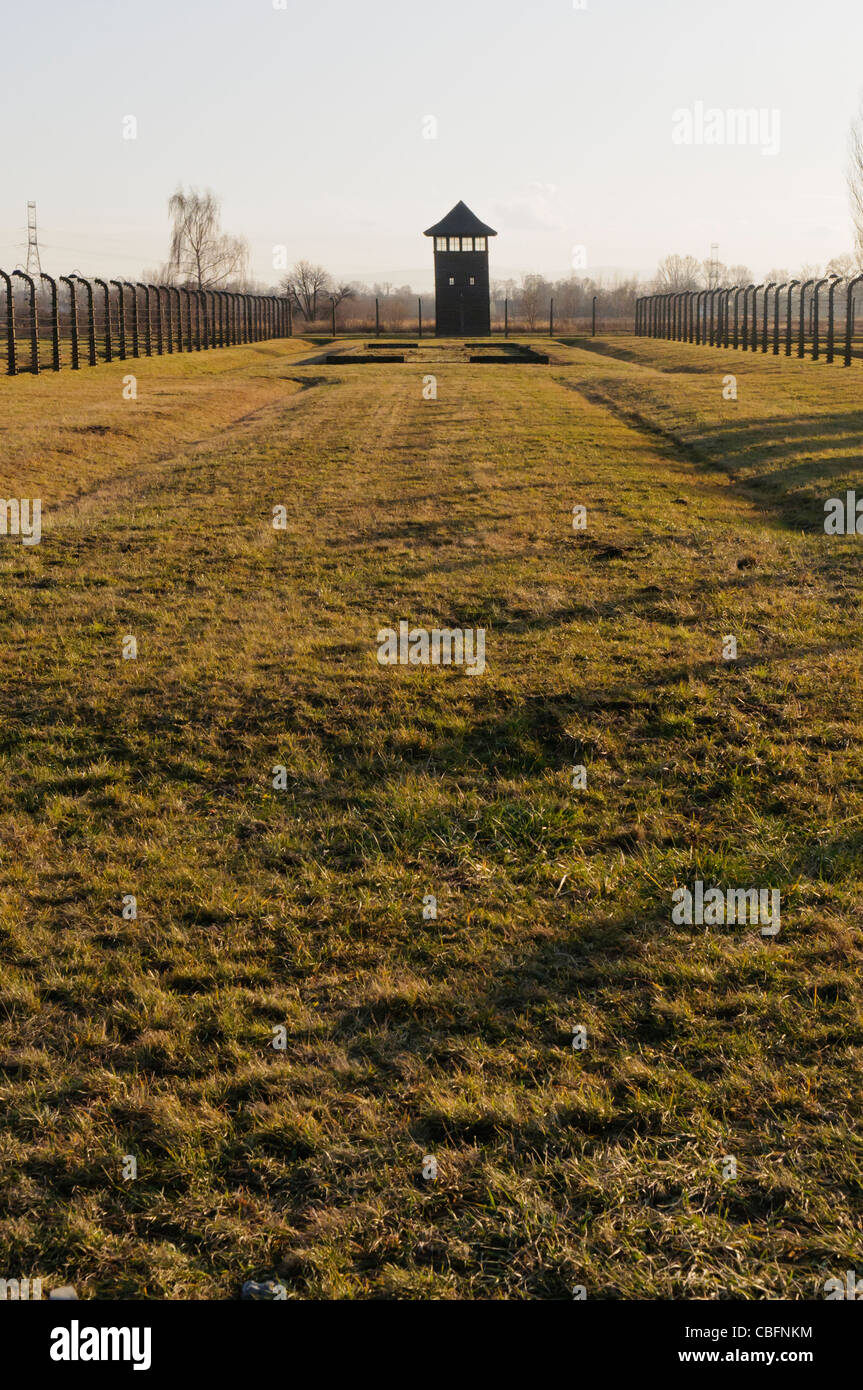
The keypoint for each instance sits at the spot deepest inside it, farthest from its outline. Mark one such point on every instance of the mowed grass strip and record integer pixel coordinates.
(302, 908)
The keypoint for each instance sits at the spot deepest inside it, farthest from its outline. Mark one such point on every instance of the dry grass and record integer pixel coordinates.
(303, 908)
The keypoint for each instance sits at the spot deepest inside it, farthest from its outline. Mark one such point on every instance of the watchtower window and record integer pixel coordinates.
(454, 243)
(452, 279)
(467, 243)
(440, 243)
(479, 244)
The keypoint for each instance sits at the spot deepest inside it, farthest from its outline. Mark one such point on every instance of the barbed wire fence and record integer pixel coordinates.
(74, 321)
(818, 317)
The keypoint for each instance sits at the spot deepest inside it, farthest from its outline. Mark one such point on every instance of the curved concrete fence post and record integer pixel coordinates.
(777, 292)
(172, 289)
(197, 295)
(801, 337)
(726, 315)
(136, 330)
(831, 318)
(148, 334)
(91, 318)
(744, 331)
(738, 291)
(73, 319)
(764, 325)
(160, 330)
(754, 334)
(816, 326)
(788, 308)
(34, 320)
(55, 321)
(849, 316)
(11, 351)
(121, 317)
(699, 302)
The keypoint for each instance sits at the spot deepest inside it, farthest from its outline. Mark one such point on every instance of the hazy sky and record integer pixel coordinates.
(553, 123)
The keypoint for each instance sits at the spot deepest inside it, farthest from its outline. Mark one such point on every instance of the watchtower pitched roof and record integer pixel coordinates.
(460, 221)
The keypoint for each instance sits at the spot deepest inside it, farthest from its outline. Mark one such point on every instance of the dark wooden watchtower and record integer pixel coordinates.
(461, 274)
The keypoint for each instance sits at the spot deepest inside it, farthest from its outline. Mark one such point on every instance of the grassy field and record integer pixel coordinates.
(302, 908)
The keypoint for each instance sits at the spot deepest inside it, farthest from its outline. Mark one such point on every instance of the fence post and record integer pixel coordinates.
(506, 317)
(160, 334)
(148, 338)
(121, 321)
(34, 322)
(174, 289)
(377, 317)
(91, 318)
(333, 304)
(419, 318)
(776, 294)
(791, 284)
(73, 319)
(815, 322)
(764, 326)
(551, 319)
(831, 318)
(849, 316)
(11, 354)
(593, 319)
(801, 337)
(55, 322)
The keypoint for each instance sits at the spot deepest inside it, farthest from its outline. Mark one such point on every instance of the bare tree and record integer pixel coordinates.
(676, 273)
(338, 293)
(855, 178)
(201, 253)
(741, 275)
(530, 298)
(304, 286)
(845, 266)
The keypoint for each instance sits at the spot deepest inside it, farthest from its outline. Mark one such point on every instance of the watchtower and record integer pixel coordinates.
(461, 274)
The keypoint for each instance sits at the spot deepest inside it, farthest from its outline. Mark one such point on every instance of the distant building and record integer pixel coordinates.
(462, 306)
